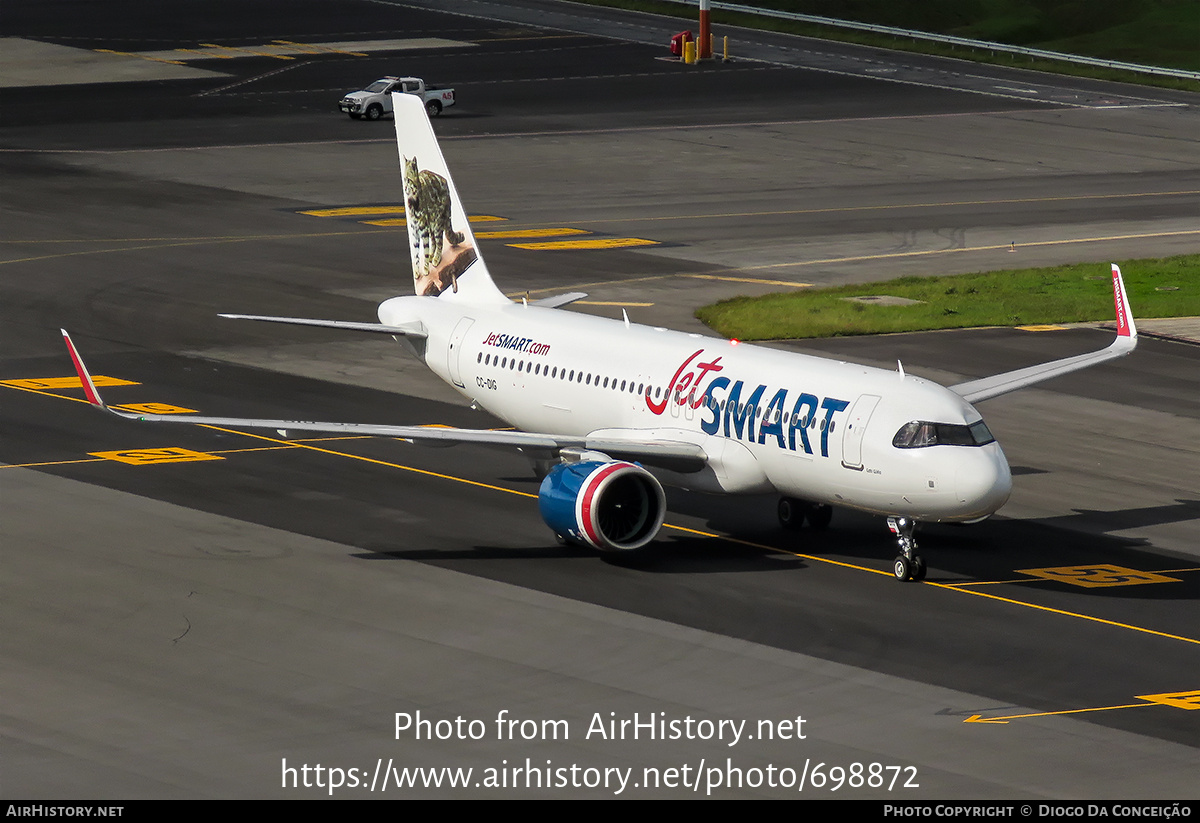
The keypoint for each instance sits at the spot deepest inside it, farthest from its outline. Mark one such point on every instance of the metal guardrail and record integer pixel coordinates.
(949, 39)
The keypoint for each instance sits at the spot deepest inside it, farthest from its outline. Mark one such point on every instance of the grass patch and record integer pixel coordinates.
(1162, 287)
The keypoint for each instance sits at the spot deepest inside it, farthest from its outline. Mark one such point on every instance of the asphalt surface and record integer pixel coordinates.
(192, 613)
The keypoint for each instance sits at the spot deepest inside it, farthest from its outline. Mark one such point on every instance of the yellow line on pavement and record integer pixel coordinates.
(597, 243)
(518, 233)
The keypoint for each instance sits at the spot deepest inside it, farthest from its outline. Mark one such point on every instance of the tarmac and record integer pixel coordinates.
(1180, 329)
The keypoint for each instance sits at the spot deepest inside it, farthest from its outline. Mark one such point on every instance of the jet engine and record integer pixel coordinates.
(610, 505)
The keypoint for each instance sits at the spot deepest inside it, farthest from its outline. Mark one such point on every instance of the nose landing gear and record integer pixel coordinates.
(908, 565)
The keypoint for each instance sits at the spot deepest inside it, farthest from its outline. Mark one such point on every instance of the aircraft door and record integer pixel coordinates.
(856, 427)
(454, 352)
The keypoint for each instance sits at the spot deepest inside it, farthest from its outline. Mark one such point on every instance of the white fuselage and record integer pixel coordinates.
(770, 421)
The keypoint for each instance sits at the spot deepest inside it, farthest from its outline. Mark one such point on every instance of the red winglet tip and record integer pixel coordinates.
(1121, 303)
(85, 379)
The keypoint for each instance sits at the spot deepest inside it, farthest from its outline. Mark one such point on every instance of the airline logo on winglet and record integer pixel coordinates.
(1119, 302)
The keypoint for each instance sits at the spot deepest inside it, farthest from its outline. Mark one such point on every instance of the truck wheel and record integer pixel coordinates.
(434, 108)
(374, 111)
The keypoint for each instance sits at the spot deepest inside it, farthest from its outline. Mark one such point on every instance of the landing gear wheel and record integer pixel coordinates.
(908, 565)
(819, 516)
(918, 572)
(791, 513)
(374, 111)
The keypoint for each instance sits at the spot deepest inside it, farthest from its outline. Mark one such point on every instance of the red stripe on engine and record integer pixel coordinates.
(585, 502)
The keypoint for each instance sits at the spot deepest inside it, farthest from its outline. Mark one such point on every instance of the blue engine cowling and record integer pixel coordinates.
(609, 505)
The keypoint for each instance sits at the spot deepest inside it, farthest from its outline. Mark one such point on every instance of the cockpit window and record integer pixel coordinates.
(918, 434)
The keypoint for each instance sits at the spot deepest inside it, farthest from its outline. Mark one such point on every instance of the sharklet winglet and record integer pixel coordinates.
(974, 391)
(85, 378)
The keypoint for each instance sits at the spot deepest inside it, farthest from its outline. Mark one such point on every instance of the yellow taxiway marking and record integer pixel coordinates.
(200, 53)
(503, 39)
(930, 252)
(963, 583)
(317, 48)
(1041, 328)
(52, 383)
(248, 450)
(611, 303)
(400, 221)
(1000, 721)
(155, 408)
(255, 52)
(354, 211)
(831, 260)
(169, 243)
(371, 460)
(1098, 576)
(1180, 700)
(51, 463)
(597, 243)
(899, 206)
(143, 56)
(1063, 612)
(145, 457)
(749, 280)
(762, 546)
(519, 233)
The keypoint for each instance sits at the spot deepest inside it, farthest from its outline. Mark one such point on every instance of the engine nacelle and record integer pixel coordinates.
(609, 505)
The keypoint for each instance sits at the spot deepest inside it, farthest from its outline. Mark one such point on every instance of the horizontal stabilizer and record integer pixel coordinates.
(408, 329)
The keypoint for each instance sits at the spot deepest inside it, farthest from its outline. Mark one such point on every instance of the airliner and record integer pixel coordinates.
(608, 410)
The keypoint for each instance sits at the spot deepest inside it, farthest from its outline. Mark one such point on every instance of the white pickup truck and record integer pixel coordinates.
(376, 99)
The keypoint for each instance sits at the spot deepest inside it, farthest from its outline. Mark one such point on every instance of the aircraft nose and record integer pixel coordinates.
(983, 483)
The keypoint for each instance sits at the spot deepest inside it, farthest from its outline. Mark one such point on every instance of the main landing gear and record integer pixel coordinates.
(792, 514)
(908, 565)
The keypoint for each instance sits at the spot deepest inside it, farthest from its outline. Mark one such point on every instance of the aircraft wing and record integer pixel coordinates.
(668, 454)
(408, 330)
(559, 300)
(986, 388)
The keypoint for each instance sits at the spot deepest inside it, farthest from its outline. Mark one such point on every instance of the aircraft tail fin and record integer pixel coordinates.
(445, 259)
